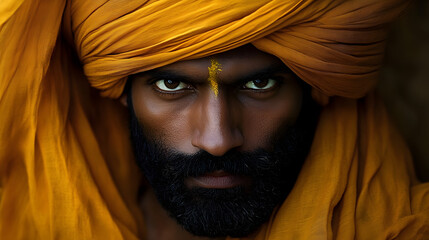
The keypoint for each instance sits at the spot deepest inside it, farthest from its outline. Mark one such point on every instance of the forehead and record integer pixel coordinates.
(234, 64)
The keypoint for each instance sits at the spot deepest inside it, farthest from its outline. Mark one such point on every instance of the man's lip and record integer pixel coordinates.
(217, 179)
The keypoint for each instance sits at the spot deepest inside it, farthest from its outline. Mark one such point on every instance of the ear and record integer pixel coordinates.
(123, 99)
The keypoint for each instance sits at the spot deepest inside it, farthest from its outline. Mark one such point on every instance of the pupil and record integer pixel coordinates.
(171, 83)
(260, 83)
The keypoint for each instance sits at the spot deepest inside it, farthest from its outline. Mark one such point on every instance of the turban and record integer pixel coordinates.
(66, 166)
(340, 42)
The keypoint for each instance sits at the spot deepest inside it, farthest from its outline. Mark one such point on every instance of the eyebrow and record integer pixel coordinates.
(177, 76)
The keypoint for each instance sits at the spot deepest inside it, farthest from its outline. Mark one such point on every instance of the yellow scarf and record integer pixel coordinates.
(66, 167)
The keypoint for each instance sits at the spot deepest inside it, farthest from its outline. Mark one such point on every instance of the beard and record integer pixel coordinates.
(236, 211)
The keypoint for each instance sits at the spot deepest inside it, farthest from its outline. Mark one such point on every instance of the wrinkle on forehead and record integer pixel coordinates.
(214, 69)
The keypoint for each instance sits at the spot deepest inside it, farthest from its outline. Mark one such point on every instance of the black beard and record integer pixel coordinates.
(235, 212)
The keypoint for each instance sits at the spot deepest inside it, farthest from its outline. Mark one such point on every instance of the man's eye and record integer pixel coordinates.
(170, 85)
(260, 84)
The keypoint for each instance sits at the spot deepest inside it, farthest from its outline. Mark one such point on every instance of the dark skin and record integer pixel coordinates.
(177, 104)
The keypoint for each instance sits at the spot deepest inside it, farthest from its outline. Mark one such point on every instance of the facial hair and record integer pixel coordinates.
(237, 211)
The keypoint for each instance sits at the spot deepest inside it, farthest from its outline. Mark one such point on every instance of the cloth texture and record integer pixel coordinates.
(66, 165)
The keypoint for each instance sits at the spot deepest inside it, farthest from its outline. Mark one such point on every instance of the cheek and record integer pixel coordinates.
(163, 121)
(265, 120)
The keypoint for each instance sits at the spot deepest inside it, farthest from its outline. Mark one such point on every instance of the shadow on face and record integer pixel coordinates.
(256, 96)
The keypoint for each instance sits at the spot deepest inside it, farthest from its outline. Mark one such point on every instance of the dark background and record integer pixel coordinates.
(404, 83)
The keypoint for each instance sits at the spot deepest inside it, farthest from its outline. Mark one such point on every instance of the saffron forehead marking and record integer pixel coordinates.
(214, 69)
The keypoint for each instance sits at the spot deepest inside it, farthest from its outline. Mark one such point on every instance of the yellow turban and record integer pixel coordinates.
(66, 167)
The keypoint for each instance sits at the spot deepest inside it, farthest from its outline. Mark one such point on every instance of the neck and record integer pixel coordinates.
(159, 225)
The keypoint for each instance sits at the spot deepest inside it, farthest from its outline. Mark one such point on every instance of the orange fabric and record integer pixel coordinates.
(66, 168)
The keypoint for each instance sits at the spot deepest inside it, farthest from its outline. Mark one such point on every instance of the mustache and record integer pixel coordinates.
(237, 163)
(175, 166)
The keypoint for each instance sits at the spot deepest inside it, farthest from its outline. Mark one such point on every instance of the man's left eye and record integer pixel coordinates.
(170, 85)
(260, 84)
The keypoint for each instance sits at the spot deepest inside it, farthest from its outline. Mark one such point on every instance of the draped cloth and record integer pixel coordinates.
(66, 165)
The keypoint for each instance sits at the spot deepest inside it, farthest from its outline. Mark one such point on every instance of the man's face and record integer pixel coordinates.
(221, 139)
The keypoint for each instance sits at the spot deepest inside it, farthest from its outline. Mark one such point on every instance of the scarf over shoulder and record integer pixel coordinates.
(66, 165)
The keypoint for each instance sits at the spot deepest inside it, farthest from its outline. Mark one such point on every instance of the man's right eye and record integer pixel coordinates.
(171, 85)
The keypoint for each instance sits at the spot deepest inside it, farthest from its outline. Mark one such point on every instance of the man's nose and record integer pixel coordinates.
(216, 125)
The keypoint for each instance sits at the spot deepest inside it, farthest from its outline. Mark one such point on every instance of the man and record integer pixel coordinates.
(219, 157)
(220, 148)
